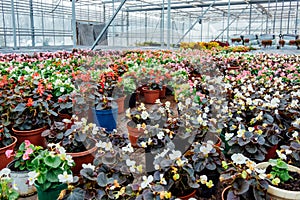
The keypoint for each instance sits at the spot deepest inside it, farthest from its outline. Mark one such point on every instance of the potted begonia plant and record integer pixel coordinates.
(51, 171)
(77, 137)
(21, 165)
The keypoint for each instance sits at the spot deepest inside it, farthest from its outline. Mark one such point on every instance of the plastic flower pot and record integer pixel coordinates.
(51, 193)
(21, 179)
(120, 102)
(277, 193)
(187, 197)
(134, 134)
(106, 118)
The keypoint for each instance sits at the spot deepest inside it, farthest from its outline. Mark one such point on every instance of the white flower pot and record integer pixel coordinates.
(280, 194)
(20, 178)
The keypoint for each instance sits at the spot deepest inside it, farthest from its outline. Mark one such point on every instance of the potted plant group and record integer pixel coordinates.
(243, 180)
(21, 165)
(76, 136)
(51, 171)
(31, 112)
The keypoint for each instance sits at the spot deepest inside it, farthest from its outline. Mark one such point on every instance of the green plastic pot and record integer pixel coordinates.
(50, 194)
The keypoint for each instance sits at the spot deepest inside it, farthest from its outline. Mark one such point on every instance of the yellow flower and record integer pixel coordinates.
(176, 177)
(244, 174)
(209, 184)
(275, 181)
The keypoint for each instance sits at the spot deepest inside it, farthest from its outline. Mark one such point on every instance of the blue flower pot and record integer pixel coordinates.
(106, 118)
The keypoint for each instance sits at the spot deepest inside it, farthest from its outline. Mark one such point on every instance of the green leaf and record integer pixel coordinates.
(20, 107)
(53, 162)
(77, 194)
(51, 176)
(102, 179)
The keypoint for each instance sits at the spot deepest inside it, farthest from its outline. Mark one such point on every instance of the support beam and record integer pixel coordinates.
(250, 19)
(289, 17)
(200, 5)
(228, 20)
(275, 13)
(169, 25)
(31, 23)
(13, 19)
(195, 22)
(296, 21)
(108, 24)
(146, 26)
(231, 23)
(74, 24)
(162, 25)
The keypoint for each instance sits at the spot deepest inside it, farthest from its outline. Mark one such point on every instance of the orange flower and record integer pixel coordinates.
(30, 102)
(49, 97)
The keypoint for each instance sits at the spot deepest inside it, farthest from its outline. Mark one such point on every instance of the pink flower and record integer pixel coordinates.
(27, 153)
(25, 156)
(9, 153)
(27, 143)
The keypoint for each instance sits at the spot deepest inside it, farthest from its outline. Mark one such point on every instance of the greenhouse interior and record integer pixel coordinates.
(149, 100)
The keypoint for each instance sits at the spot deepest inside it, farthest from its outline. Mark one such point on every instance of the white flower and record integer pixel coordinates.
(157, 101)
(203, 179)
(32, 176)
(175, 155)
(66, 121)
(144, 115)
(274, 102)
(139, 126)
(70, 160)
(61, 150)
(130, 162)
(62, 89)
(281, 155)
(5, 172)
(180, 106)
(104, 145)
(228, 136)
(168, 104)
(88, 166)
(146, 181)
(128, 148)
(143, 144)
(162, 180)
(188, 101)
(206, 109)
(240, 132)
(206, 149)
(160, 135)
(65, 178)
(295, 134)
(239, 158)
(288, 151)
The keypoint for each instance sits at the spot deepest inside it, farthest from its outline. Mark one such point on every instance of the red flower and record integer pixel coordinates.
(49, 97)
(30, 102)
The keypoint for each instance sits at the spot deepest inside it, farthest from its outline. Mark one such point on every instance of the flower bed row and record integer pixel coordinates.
(224, 123)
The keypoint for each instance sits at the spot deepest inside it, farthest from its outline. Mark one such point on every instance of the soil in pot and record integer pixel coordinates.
(292, 184)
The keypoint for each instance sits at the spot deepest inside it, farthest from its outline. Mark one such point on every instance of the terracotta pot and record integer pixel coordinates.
(120, 102)
(150, 95)
(277, 193)
(134, 134)
(224, 192)
(34, 136)
(233, 68)
(162, 92)
(187, 197)
(4, 160)
(84, 157)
